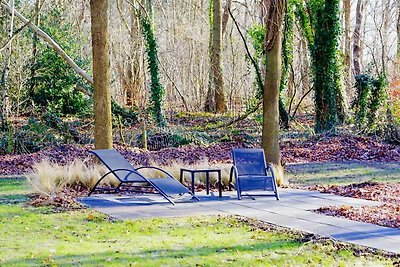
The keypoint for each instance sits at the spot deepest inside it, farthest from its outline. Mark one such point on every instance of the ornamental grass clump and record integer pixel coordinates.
(51, 179)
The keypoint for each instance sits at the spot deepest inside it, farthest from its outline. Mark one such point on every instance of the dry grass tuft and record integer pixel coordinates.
(49, 179)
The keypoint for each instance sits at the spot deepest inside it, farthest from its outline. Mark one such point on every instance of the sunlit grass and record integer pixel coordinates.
(41, 237)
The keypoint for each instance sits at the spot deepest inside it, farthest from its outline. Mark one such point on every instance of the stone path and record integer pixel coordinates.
(294, 211)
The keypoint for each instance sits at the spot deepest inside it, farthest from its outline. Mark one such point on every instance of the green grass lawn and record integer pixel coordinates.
(41, 237)
(342, 173)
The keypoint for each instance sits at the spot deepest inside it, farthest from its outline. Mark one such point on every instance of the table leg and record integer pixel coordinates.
(208, 182)
(219, 184)
(192, 182)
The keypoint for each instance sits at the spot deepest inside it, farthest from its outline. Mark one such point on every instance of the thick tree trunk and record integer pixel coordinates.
(101, 74)
(273, 50)
(357, 49)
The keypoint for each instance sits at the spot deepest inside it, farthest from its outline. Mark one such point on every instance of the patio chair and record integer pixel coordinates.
(252, 173)
(133, 181)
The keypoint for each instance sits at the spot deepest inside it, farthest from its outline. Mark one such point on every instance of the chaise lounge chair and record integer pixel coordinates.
(252, 173)
(134, 181)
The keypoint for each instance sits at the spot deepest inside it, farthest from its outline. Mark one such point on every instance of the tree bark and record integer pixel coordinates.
(398, 33)
(225, 16)
(34, 48)
(220, 102)
(5, 73)
(357, 60)
(101, 74)
(273, 45)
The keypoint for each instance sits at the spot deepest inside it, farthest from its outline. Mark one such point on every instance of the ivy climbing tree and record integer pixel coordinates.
(319, 21)
(371, 94)
(157, 90)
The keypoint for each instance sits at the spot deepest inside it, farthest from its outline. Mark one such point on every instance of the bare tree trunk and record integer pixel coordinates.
(225, 16)
(215, 96)
(385, 28)
(220, 103)
(101, 74)
(357, 44)
(5, 73)
(347, 43)
(398, 33)
(273, 46)
(134, 69)
(34, 49)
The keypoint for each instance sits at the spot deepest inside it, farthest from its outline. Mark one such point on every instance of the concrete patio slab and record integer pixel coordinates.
(294, 211)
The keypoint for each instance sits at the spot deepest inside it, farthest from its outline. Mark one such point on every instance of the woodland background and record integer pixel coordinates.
(44, 102)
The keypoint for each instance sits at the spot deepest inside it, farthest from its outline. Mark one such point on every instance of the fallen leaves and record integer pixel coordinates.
(316, 149)
(387, 214)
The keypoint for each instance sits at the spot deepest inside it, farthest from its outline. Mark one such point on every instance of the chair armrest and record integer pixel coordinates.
(271, 169)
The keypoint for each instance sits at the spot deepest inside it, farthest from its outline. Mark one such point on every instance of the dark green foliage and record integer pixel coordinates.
(371, 94)
(363, 89)
(287, 59)
(377, 99)
(128, 116)
(257, 34)
(319, 22)
(54, 80)
(157, 90)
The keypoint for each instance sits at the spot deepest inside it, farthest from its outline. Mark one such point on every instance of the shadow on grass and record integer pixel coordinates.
(343, 172)
(215, 255)
(13, 199)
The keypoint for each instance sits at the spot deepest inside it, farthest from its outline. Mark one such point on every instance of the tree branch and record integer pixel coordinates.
(52, 43)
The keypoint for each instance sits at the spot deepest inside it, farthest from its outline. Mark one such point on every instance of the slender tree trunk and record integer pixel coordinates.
(220, 102)
(225, 16)
(273, 49)
(209, 105)
(4, 81)
(347, 43)
(134, 68)
(357, 45)
(385, 32)
(398, 33)
(101, 74)
(34, 49)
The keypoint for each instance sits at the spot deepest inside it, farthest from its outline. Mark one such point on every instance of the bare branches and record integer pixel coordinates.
(21, 28)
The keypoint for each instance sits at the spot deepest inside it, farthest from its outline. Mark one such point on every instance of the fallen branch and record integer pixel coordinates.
(51, 42)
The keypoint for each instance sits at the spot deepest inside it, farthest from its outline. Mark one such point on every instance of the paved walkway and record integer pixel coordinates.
(292, 211)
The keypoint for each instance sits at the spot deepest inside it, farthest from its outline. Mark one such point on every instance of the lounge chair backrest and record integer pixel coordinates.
(249, 161)
(113, 160)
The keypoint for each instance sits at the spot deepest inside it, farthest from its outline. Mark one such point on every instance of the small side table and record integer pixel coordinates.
(207, 172)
